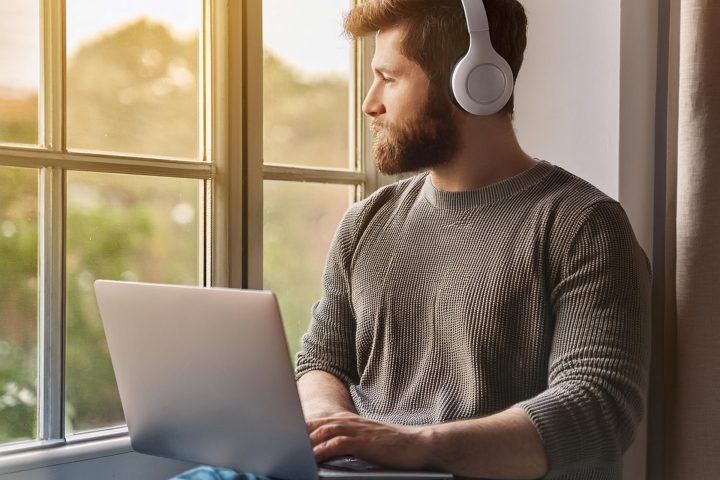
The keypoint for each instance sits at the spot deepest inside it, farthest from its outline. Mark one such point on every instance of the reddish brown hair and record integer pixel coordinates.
(437, 36)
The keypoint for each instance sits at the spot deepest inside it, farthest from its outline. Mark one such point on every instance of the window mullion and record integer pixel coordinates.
(218, 211)
(52, 281)
(51, 246)
(363, 78)
(53, 63)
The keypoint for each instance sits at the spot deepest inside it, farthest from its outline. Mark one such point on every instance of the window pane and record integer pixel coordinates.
(119, 227)
(18, 303)
(305, 83)
(133, 76)
(300, 220)
(19, 70)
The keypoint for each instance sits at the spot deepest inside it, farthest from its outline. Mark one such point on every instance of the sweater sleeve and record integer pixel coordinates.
(329, 343)
(597, 371)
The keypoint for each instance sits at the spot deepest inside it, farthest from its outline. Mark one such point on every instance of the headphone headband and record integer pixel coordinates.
(476, 15)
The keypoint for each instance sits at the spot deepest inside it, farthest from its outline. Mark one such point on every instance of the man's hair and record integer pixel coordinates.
(436, 32)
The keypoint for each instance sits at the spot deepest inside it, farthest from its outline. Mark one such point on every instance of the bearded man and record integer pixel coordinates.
(489, 316)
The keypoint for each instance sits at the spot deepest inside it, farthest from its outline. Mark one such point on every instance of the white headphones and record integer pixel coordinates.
(482, 81)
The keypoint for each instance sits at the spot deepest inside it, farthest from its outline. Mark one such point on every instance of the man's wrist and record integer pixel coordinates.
(433, 444)
(327, 411)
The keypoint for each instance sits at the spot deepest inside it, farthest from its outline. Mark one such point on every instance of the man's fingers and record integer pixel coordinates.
(313, 425)
(334, 447)
(327, 431)
(318, 422)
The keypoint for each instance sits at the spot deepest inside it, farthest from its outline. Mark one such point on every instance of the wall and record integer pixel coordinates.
(567, 96)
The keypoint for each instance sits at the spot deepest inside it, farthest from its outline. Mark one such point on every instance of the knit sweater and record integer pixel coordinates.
(532, 292)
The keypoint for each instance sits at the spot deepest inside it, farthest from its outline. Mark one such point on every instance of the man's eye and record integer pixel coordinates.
(387, 80)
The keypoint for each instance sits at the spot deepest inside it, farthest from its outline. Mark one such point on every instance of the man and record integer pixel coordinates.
(489, 316)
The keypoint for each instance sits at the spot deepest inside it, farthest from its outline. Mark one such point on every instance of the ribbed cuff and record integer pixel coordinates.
(561, 434)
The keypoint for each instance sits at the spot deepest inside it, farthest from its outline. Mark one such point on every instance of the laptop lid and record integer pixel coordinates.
(204, 375)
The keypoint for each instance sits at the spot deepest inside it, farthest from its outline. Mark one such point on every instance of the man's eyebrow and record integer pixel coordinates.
(385, 70)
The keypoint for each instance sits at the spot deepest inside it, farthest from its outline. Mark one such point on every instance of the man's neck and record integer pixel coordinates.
(488, 153)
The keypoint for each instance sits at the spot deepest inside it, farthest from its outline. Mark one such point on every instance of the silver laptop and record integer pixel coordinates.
(204, 375)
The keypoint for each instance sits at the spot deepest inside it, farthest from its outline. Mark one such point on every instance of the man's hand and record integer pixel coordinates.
(503, 445)
(392, 446)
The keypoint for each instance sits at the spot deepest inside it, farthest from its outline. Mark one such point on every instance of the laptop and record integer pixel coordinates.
(204, 375)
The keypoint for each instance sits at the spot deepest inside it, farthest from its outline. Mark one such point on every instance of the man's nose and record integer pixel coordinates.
(372, 106)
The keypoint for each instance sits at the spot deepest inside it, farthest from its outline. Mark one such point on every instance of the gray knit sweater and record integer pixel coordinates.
(530, 292)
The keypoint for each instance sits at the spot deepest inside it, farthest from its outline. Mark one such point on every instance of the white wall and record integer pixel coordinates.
(585, 101)
(567, 96)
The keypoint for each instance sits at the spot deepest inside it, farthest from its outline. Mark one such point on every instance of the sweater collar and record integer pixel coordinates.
(486, 195)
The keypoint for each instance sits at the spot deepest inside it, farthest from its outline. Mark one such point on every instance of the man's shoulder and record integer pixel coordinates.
(386, 196)
(570, 204)
(568, 199)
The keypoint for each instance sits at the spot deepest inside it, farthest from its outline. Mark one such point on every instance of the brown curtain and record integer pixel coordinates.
(693, 415)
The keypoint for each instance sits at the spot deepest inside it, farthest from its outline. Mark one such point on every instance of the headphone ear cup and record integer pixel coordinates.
(451, 90)
(486, 83)
(481, 81)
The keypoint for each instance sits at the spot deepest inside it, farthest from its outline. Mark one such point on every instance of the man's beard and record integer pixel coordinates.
(425, 141)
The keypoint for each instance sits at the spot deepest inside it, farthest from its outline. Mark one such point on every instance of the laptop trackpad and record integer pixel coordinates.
(352, 468)
(350, 464)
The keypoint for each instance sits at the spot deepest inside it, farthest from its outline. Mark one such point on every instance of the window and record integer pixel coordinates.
(311, 172)
(129, 150)
(104, 173)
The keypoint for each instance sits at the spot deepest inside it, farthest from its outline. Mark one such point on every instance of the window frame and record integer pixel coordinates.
(232, 173)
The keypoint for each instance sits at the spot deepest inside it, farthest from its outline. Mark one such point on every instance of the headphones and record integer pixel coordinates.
(481, 83)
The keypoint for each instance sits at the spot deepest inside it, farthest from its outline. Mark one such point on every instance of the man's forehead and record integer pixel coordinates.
(388, 57)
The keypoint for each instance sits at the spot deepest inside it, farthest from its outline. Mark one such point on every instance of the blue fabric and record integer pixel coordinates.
(212, 473)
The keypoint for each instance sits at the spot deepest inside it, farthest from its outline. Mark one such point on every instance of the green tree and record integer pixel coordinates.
(135, 90)
(18, 302)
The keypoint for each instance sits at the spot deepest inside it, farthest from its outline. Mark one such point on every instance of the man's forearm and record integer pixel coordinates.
(504, 445)
(322, 395)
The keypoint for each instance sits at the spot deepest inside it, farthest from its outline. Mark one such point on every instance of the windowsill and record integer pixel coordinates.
(86, 446)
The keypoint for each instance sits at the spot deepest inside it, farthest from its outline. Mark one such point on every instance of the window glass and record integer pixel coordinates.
(300, 220)
(18, 303)
(133, 76)
(19, 70)
(119, 227)
(305, 83)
